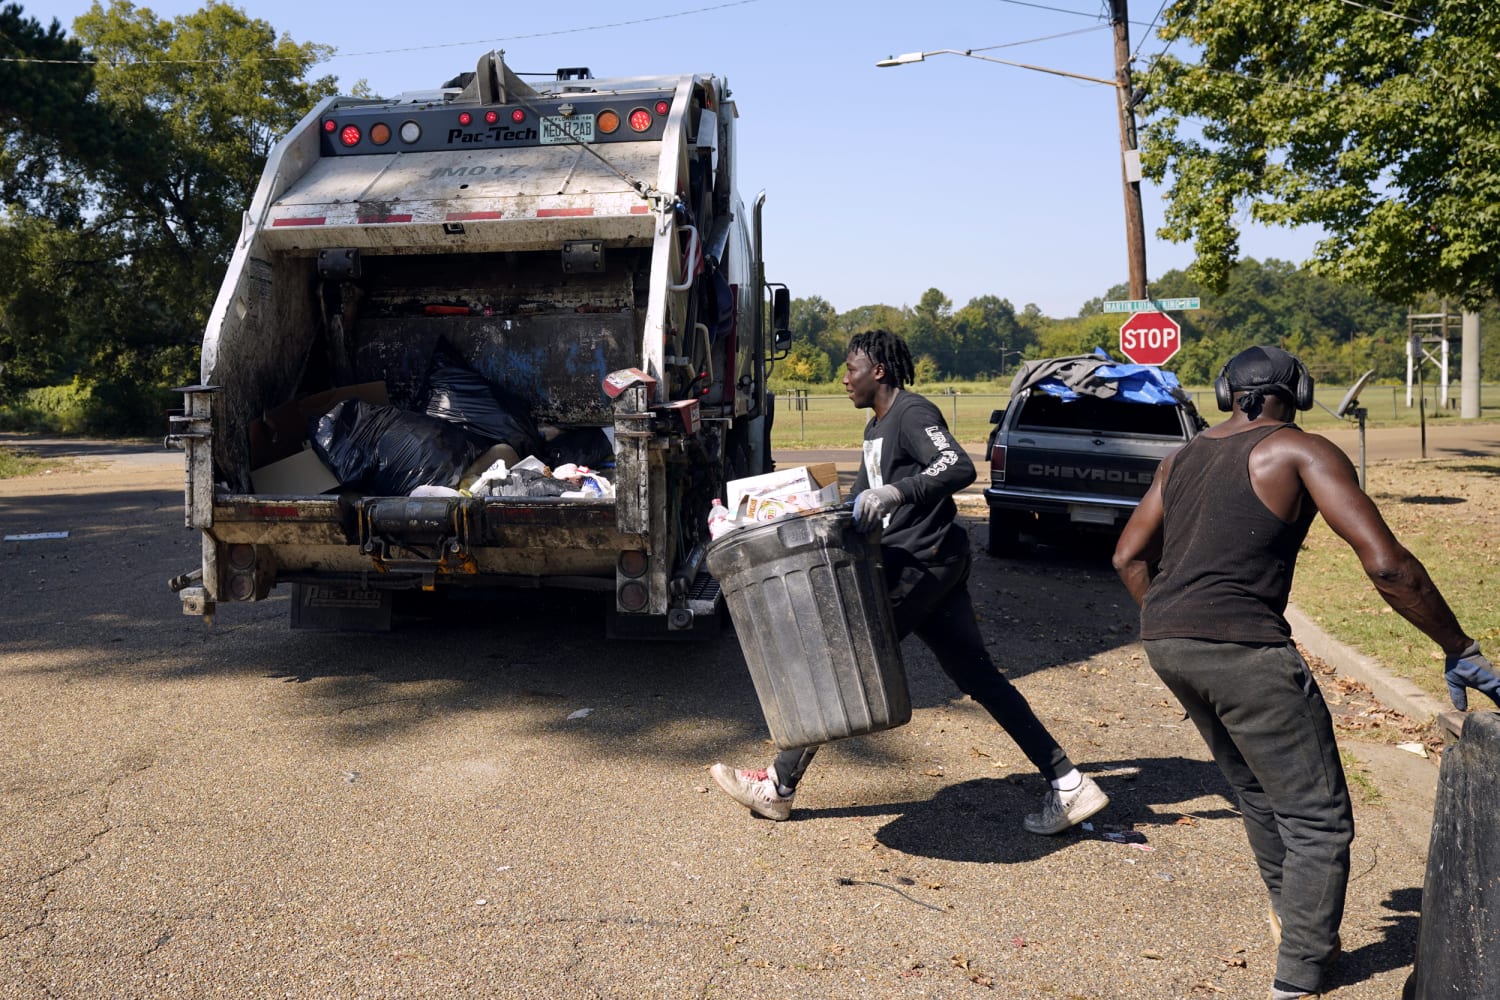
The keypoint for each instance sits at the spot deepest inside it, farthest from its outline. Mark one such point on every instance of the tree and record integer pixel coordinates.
(130, 220)
(930, 334)
(1379, 124)
(985, 332)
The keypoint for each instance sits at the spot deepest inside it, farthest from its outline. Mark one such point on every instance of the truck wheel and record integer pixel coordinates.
(1005, 533)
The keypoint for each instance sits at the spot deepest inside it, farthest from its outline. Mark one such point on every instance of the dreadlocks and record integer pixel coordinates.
(885, 348)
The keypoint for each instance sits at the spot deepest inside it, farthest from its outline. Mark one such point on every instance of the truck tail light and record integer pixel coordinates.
(243, 579)
(997, 463)
(608, 122)
(349, 135)
(640, 119)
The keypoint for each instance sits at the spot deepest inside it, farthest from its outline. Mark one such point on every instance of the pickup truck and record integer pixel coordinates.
(1078, 445)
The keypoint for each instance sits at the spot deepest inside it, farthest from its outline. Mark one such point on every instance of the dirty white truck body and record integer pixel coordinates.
(552, 234)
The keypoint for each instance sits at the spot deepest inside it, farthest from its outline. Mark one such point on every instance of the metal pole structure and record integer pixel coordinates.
(1130, 154)
(1468, 368)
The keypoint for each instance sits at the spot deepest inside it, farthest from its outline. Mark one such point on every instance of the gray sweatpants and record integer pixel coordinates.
(1265, 722)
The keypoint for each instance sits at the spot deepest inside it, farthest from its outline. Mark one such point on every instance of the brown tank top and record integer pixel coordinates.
(1227, 561)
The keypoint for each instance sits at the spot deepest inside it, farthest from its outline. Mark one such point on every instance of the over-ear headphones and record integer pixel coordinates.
(1302, 391)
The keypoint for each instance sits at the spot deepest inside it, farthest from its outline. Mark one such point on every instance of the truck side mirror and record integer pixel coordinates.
(781, 318)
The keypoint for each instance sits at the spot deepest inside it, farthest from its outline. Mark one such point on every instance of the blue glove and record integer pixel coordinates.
(1470, 669)
(872, 506)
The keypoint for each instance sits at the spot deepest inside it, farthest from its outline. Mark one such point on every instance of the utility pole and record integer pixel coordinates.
(1130, 155)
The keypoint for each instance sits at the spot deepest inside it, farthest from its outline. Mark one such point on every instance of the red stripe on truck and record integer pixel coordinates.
(471, 216)
(307, 221)
(553, 213)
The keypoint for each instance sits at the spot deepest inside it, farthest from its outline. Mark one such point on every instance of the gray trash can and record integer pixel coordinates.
(1458, 939)
(808, 599)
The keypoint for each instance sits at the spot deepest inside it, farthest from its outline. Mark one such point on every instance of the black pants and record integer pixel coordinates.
(1264, 719)
(933, 601)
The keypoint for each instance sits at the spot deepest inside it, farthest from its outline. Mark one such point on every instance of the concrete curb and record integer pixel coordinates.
(1394, 692)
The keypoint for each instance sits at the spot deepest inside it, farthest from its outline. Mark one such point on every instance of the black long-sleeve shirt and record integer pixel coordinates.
(912, 449)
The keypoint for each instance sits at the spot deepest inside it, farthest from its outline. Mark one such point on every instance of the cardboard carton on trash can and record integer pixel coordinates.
(808, 599)
(799, 490)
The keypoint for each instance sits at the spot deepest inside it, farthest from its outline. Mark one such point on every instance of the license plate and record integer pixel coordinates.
(1090, 515)
(578, 128)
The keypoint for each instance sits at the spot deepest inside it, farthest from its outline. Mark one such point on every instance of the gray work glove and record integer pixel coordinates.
(872, 506)
(1470, 669)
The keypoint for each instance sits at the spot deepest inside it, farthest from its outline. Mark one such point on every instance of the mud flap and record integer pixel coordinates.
(341, 608)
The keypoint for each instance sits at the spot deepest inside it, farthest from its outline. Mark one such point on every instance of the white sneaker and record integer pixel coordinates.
(1061, 810)
(756, 790)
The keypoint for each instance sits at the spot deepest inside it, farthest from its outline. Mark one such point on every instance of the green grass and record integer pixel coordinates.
(1435, 509)
(19, 463)
(825, 418)
(1359, 780)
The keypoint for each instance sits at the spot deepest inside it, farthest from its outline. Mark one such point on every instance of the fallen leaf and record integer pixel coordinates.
(1186, 821)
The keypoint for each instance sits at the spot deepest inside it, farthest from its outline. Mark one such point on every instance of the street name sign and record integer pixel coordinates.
(1148, 305)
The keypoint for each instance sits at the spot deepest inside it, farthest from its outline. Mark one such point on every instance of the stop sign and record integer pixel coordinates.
(1150, 338)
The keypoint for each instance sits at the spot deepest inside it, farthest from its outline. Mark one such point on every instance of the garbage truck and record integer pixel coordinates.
(434, 292)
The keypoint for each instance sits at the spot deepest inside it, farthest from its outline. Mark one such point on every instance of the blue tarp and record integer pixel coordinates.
(1135, 383)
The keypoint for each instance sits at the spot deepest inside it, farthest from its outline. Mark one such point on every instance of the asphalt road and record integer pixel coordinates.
(499, 803)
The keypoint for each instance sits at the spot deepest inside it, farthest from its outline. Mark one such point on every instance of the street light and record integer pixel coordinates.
(1130, 162)
(916, 57)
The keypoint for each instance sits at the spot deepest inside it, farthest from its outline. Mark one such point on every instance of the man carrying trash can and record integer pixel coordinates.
(911, 468)
(1209, 556)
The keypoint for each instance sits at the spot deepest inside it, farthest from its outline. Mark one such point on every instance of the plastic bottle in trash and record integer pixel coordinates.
(719, 521)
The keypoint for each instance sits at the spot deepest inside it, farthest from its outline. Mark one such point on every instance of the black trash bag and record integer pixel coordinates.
(488, 414)
(580, 446)
(387, 451)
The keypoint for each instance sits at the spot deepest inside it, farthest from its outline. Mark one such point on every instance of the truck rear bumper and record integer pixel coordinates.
(1117, 508)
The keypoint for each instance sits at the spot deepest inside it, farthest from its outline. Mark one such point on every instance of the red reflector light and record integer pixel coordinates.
(640, 119)
(349, 135)
(633, 596)
(662, 107)
(997, 463)
(633, 563)
(518, 116)
(464, 118)
(330, 126)
(491, 117)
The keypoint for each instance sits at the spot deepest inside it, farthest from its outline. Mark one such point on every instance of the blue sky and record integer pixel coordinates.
(953, 173)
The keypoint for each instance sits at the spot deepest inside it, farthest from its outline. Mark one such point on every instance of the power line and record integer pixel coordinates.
(381, 52)
(1152, 27)
(1061, 10)
(1382, 10)
(1043, 38)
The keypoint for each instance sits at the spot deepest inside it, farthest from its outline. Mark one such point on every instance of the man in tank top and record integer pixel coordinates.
(911, 469)
(1209, 556)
